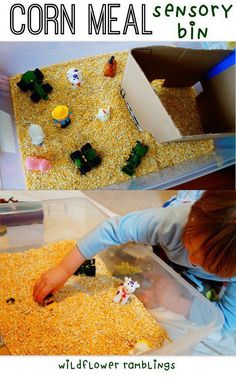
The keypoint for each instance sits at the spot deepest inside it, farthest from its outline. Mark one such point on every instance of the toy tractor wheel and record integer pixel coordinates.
(23, 86)
(80, 162)
(85, 169)
(47, 87)
(35, 97)
(91, 155)
(91, 271)
(95, 162)
(128, 170)
(39, 74)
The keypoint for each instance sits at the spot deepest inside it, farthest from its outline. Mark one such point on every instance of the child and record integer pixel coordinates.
(199, 236)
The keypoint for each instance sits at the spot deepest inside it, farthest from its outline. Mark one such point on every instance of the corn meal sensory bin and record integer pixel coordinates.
(113, 139)
(84, 321)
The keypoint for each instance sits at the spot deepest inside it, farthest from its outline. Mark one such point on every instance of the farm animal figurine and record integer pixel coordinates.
(35, 163)
(124, 291)
(140, 347)
(61, 115)
(103, 114)
(110, 67)
(74, 76)
(36, 134)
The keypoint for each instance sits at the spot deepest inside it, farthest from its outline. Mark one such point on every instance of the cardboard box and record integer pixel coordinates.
(181, 67)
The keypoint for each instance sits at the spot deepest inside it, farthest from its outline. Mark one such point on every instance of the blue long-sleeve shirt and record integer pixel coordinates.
(164, 226)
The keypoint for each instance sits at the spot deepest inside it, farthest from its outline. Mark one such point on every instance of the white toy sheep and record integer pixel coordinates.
(36, 134)
(74, 76)
(125, 290)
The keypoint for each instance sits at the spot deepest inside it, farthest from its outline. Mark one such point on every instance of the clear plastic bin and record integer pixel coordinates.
(222, 157)
(26, 56)
(72, 218)
(63, 219)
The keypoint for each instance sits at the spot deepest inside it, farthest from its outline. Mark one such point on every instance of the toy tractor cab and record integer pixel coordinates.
(88, 268)
(33, 80)
(135, 158)
(91, 155)
(80, 162)
(86, 159)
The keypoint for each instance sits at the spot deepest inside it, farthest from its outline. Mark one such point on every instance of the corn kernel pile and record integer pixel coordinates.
(179, 101)
(113, 139)
(83, 322)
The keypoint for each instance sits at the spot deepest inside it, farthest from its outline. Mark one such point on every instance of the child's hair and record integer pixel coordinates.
(214, 215)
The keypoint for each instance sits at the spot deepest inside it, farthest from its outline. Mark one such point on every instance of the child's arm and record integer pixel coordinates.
(200, 313)
(137, 226)
(150, 226)
(56, 277)
(228, 306)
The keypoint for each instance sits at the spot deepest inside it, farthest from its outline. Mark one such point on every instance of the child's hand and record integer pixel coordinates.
(50, 281)
(167, 293)
(164, 292)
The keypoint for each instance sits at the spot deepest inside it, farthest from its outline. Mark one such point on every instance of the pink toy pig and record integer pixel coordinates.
(35, 163)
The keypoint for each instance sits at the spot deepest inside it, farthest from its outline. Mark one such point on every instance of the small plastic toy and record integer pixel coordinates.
(3, 230)
(61, 115)
(80, 162)
(135, 158)
(125, 290)
(49, 302)
(141, 346)
(36, 134)
(33, 80)
(86, 159)
(110, 67)
(88, 268)
(10, 301)
(103, 114)
(74, 76)
(35, 163)
(91, 155)
(212, 292)
(12, 200)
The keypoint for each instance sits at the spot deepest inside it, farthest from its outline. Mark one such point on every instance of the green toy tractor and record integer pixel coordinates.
(80, 162)
(136, 155)
(86, 159)
(91, 155)
(88, 268)
(33, 80)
